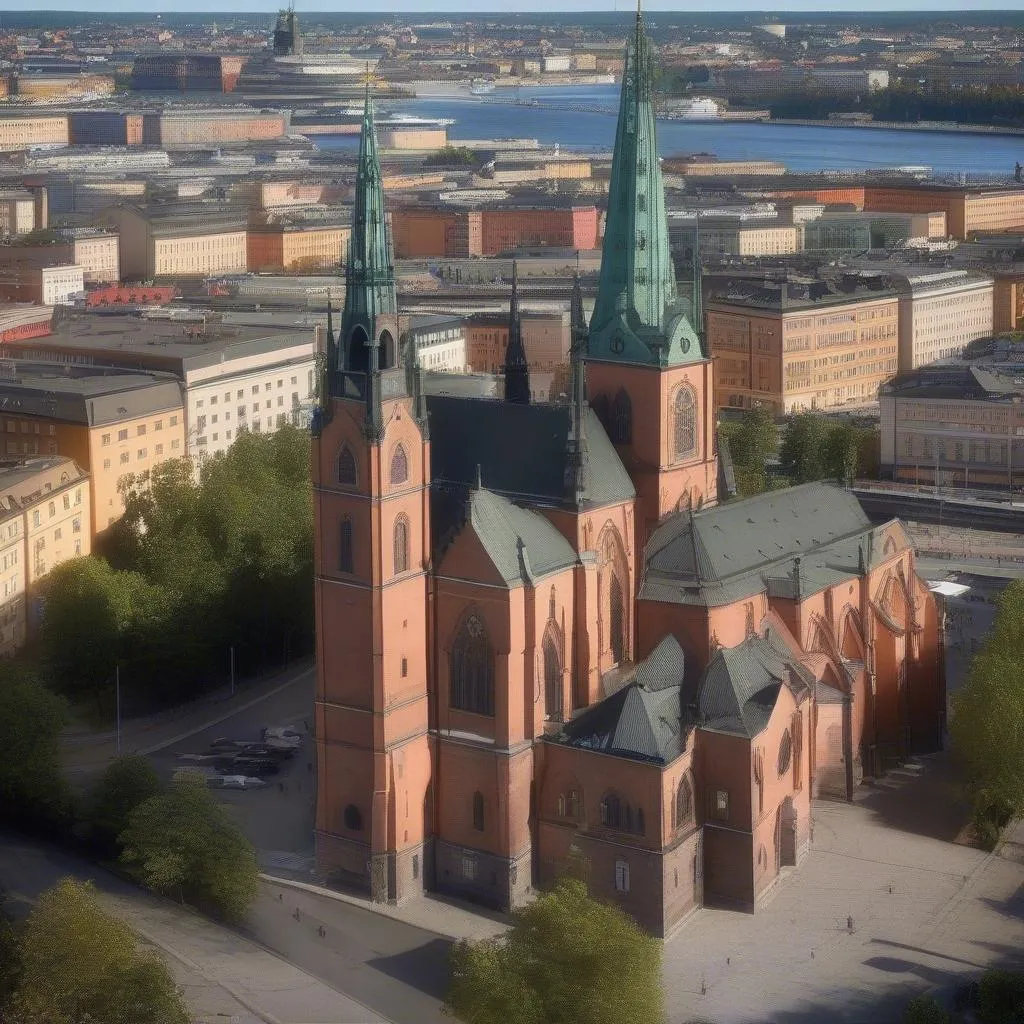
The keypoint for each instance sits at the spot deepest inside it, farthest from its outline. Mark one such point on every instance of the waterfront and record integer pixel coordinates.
(800, 147)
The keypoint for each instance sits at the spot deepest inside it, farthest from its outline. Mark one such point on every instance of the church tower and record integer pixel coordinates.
(649, 378)
(371, 474)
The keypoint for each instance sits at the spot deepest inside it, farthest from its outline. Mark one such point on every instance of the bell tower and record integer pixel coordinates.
(650, 380)
(371, 476)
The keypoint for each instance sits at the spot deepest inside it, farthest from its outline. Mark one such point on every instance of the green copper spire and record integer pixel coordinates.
(637, 316)
(370, 272)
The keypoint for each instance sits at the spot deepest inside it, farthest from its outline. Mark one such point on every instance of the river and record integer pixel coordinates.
(799, 147)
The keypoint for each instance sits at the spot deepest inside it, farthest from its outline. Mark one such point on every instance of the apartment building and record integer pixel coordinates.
(180, 240)
(960, 426)
(25, 132)
(236, 372)
(20, 212)
(44, 521)
(545, 339)
(420, 231)
(297, 246)
(111, 422)
(801, 344)
(733, 236)
(440, 342)
(967, 210)
(941, 312)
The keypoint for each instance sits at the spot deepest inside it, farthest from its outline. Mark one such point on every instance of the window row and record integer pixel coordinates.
(400, 549)
(348, 475)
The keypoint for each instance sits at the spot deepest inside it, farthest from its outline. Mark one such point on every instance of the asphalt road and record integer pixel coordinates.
(396, 970)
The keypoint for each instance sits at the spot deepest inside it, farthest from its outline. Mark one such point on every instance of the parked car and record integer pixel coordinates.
(241, 782)
(258, 766)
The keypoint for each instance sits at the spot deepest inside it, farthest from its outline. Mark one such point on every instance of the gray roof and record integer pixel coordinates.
(522, 545)
(787, 543)
(521, 451)
(89, 395)
(644, 719)
(740, 686)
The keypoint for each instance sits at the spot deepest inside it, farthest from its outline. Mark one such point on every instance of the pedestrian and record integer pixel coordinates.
(849, 923)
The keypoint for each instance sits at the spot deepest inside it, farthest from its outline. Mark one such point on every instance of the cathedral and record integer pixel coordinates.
(543, 644)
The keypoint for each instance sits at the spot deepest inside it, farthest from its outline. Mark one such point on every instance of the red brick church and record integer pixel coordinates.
(543, 641)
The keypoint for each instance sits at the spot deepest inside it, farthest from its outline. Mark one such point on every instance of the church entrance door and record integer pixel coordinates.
(787, 833)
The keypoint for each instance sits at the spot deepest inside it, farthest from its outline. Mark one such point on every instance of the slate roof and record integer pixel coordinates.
(741, 685)
(522, 451)
(787, 543)
(522, 545)
(644, 719)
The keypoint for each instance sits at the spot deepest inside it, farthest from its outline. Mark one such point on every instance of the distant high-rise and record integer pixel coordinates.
(287, 35)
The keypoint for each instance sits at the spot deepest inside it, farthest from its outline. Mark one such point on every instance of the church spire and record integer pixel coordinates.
(577, 465)
(369, 272)
(517, 369)
(697, 305)
(637, 316)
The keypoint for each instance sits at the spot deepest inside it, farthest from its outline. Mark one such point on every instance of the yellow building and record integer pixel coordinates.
(111, 422)
(797, 345)
(180, 240)
(734, 236)
(24, 132)
(297, 247)
(44, 521)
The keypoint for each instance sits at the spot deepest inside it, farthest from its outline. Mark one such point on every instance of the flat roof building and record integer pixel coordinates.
(802, 343)
(44, 521)
(111, 422)
(236, 375)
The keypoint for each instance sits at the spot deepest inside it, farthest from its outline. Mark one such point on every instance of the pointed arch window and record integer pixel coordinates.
(472, 669)
(617, 813)
(478, 811)
(622, 418)
(401, 544)
(399, 466)
(684, 426)
(684, 803)
(347, 467)
(345, 545)
(552, 680)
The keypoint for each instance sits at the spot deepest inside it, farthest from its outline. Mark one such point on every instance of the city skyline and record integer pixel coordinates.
(462, 7)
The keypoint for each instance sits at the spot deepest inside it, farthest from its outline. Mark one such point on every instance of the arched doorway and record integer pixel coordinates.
(614, 597)
(386, 355)
(358, 351)
(787, 833)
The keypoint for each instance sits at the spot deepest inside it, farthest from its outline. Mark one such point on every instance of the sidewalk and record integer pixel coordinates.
(85, 751)
(441, 915)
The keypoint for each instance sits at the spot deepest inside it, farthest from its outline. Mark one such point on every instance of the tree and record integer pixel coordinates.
(183, 843)
(988, 717)
(925, 1010)
(86, 613)
(842, 451)
(126, 783)
(753, 442)
(1001, 998)
(80, 964)
(804, 452)
(568, 958)
(32, 786)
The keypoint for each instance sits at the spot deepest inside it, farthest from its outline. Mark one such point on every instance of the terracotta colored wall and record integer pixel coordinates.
(418, 233)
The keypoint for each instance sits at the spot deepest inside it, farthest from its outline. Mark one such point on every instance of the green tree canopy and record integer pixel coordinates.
(196, 567)
(925, 1010)
(804, 452)
(568, 958)
(32, 786)
(753, 443)
(183, 843)
(127, 782)
(80, 964)
(987, 726)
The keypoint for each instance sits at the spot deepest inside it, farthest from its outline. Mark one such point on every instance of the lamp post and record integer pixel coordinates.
(232, 670)
(117, 699)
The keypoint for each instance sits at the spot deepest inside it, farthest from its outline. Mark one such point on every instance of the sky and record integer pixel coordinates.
(432, 8)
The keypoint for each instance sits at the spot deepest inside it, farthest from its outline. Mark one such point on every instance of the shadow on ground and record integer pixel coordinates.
(924, 796)
(424, 968)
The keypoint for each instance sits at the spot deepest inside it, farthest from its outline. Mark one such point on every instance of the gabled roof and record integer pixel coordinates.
(522, 451)
(741, 685)
(787, 543)
(522, 545)
(643, 720)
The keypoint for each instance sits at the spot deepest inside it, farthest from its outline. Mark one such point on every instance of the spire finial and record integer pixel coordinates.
(479, 478)
(639, 12)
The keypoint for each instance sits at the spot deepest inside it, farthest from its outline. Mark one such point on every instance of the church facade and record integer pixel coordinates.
(544, 645)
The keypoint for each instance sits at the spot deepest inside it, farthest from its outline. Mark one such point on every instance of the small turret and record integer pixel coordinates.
(517, 369)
